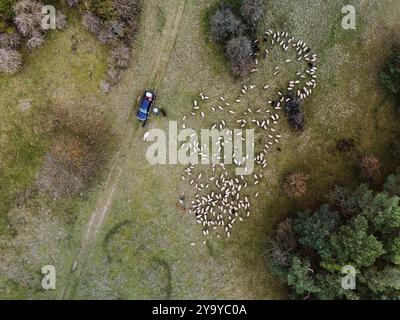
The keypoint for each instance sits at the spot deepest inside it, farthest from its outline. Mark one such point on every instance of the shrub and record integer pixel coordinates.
(370, 167)
(66, 168)
(28, 17)
(121, 57)
(61, 21)
(35, 41)
(224, 24)
(10, 61)
(295, 113)
(91, 125)
(91, 22)
(345, 145)
(296, 185)
(238, 51)
(252, 11)
(390, 76)
(10, 41)
(83, 139)
(105, 86)
(282, 243)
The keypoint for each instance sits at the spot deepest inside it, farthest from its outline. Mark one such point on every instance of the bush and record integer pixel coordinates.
(370, 167)
(224, 24)
(61, 21)
(295, 114)
(390, 76)
(91, 22)
(238, 51)
(296, 185)
(35, 41)
(66, 168)
(127, 9)
(79, 152)
(28, 17)
(10, 41)
(114, 23)
(345, 145)
(252, 11)
(73, 3)
(236, 33)
(282, 243)
(10, 61)
(121, 57)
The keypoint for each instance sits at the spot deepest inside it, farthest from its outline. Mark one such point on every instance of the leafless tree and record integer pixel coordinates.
(282, 242)
(28, 17)
(66, 168)
(127, 9)
(224, 24)
(35, 41)
(10, 41)
(239, 50)
(73, 3)
(252, 11)
(91, 22)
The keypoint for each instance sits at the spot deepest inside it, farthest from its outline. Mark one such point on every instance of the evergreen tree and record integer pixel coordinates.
(314, 230)
(300, 277)
(355, 246)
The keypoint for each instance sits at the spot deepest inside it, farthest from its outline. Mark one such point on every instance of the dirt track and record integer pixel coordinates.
(154, 66)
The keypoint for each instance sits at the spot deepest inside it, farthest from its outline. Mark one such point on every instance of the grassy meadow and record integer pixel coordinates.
(142, 250)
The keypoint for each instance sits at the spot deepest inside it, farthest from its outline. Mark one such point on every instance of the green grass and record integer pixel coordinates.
(345, 105)
(51, 75)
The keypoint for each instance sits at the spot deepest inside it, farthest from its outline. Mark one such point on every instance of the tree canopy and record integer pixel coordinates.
(359, 228)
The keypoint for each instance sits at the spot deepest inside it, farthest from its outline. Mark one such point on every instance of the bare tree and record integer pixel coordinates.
(66, 167)
(252, 11)
(10, 41)
(35, 41)
(224, 24)
(28, 17)
(10, 61)
(91, 22)
(282, 242)
(296, 185)
(127, 9)
(239, 52)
